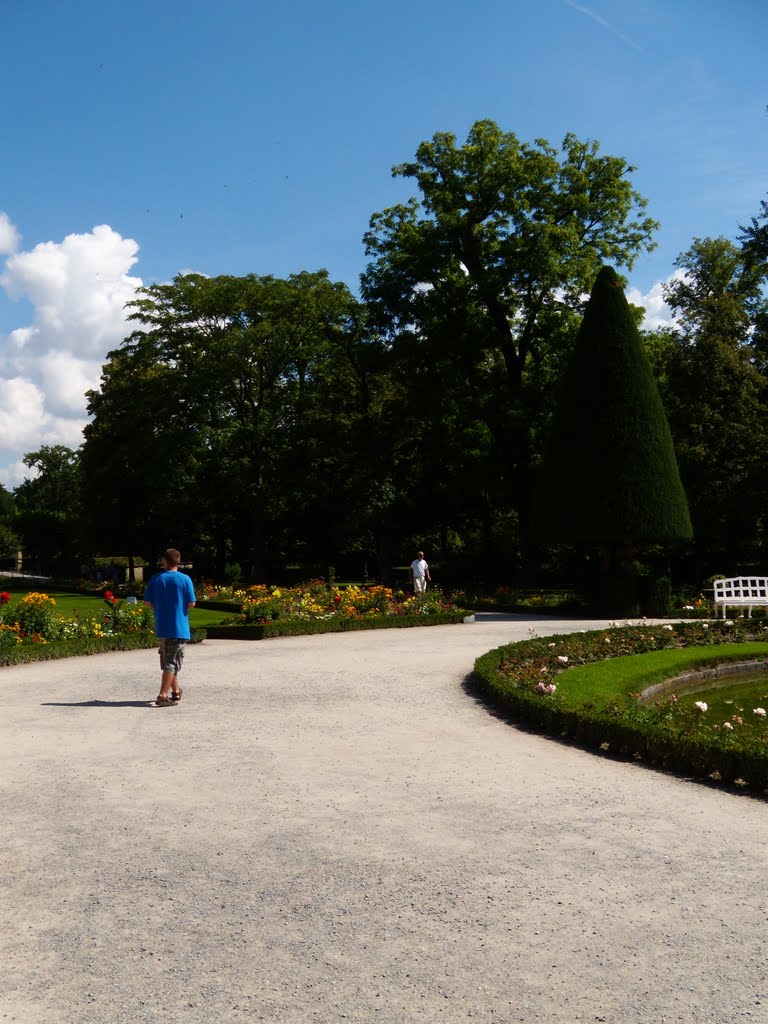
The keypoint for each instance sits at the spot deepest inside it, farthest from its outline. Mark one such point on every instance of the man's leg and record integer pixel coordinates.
(173, 666)
(171, 655)
(168, 682)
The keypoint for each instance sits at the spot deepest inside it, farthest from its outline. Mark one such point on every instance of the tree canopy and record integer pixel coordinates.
(259, 422)
(233, 403)
(476, 283)
(711, 369)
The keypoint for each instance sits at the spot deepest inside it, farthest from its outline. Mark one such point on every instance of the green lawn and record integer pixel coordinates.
(603, 681)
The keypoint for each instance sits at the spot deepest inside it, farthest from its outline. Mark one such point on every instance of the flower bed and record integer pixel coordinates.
(315, 607)
(527, 679)
(33, 624)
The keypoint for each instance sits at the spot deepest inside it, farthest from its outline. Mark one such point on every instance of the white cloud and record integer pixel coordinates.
(65, 379)
(657, 312)
(22, 413)
(9, 236)
(78, 288)
(15, 473)
(26, 422)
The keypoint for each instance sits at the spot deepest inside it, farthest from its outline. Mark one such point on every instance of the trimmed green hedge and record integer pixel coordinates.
(304, 627)
(566, 609)
(233, 607)
(25, 653)
(614, 722)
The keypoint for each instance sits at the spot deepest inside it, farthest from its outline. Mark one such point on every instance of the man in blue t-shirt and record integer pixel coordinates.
(170, 595)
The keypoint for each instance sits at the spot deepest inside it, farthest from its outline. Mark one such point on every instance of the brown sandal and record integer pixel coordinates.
(176, 697)
(163, 702)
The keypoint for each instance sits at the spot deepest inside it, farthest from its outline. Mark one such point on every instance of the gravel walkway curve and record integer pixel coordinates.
(333, 828)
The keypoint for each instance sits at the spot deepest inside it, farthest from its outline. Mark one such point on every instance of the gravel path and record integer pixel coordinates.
(332, 828)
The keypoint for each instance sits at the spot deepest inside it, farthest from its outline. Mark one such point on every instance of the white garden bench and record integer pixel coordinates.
(741, 592)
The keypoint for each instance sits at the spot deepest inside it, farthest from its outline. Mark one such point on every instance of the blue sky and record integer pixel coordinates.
(242, 137)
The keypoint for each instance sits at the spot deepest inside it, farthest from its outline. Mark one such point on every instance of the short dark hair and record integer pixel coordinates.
(172, 556)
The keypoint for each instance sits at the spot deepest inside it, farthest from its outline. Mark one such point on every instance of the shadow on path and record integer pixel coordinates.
(102, 704)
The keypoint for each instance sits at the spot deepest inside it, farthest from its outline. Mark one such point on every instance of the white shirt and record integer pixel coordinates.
(419, 567)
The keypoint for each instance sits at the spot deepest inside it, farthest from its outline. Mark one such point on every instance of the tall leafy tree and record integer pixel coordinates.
(754, 250)
(10, 543)
(248, 389)
(714, 388)
(6, 502)
(754, 241)
(136, 460)
(472, 280)
(48, 510)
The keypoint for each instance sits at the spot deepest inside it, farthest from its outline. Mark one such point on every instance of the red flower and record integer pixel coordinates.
(5, 597)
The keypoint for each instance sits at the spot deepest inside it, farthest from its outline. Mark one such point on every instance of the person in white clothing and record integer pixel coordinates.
(420, 574)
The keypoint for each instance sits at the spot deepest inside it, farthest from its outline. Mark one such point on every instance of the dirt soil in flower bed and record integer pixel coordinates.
(335, 829)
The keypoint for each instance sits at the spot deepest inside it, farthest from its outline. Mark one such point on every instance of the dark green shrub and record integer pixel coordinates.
(609, 475)
(306, 627)
(657, 596)
(615, 595)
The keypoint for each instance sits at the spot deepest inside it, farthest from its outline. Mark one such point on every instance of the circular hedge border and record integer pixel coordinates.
(515, 678)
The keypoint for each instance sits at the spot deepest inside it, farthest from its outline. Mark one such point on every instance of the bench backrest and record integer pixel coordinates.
(742, 589)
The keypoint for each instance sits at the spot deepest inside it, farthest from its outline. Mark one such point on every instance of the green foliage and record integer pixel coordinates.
(475, 284)
(6, 502)
(714, 389)
(658, 597)
(754, 241)
(47, 511)
(251, 391)
(123, 617)
(609, 472)
(10, 542)
(35, 614)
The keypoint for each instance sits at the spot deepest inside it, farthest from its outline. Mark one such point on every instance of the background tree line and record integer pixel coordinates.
(262, 422)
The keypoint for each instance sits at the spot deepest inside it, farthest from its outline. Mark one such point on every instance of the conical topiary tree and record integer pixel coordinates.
(609, 473)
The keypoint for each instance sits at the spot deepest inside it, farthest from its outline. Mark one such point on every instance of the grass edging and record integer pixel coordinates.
(614, 721)
(307, 627)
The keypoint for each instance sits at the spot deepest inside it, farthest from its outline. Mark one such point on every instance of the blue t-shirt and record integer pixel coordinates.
(169, 593)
